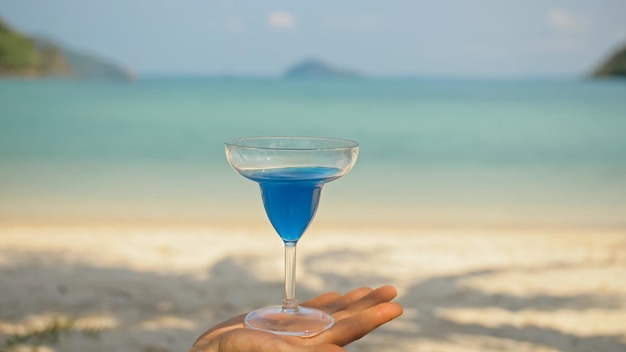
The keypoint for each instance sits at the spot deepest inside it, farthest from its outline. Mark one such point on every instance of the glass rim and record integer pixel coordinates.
(341, 143)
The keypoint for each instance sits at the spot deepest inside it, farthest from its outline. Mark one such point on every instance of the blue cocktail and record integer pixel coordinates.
(291, 196)
(291, 172)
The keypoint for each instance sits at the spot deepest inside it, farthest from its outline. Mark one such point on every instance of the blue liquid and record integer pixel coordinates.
(291, 196)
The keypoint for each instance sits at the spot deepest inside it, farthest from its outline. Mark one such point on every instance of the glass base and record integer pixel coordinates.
(302, 321)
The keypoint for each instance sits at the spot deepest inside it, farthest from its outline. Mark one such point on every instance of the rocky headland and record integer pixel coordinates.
(614, 66)
(25, 56)
(313, 68)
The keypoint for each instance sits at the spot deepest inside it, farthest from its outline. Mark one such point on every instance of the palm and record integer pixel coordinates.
(356, 314)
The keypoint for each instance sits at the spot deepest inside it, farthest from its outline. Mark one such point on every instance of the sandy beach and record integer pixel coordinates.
(156, 288)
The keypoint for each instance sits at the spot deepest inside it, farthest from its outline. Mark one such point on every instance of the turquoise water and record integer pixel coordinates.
(523, 152)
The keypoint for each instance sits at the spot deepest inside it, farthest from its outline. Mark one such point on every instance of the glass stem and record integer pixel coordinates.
(290, 303)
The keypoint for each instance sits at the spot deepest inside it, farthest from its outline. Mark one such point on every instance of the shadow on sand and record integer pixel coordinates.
(155, 312)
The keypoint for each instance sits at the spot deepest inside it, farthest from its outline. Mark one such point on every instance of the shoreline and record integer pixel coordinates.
(264, 226)
(430, 196)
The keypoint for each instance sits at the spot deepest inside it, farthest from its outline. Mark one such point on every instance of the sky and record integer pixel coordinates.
(450, 38)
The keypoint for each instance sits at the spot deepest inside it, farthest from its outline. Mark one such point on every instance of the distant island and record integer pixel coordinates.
(25, 56)
(317, 69)
(615, 66)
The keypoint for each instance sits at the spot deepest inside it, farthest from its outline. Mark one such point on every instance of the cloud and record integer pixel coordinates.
(566, 21)
(281, 19)
(571, 31)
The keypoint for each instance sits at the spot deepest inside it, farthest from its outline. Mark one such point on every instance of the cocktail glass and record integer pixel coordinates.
(291, 172)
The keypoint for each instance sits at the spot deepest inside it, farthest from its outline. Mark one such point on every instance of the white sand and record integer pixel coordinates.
(155, 289)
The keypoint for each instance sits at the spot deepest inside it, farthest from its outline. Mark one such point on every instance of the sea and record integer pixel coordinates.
(433, 152)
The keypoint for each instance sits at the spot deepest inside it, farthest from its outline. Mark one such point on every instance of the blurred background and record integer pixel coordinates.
(490, 186)
(468, 113)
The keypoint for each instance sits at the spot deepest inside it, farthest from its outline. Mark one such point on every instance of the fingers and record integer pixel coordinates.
(322, 300)
(363, 311)
(345, 301)
(360, 324)
(379, 295)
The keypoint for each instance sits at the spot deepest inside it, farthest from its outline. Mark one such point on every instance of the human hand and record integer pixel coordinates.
(356, 314)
